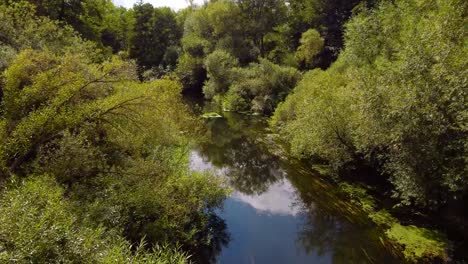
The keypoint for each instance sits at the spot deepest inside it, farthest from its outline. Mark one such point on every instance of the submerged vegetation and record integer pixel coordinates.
(95, 136)
(416, 243)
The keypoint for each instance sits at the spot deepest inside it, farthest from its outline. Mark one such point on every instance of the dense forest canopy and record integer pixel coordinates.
(94, 131)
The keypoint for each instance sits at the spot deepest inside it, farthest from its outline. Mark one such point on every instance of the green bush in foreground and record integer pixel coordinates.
(38, 226)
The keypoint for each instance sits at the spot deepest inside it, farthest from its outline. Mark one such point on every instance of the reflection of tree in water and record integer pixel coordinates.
(217, 238)
(323, 233)
(230, 144)
(249, 167)
(334, 225)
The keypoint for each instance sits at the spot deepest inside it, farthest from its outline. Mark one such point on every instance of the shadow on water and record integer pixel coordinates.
(280, 210)
(218, 237)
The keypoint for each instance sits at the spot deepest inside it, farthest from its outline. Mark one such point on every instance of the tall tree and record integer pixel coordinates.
(328, 17)
(261, 17)
(156, 29)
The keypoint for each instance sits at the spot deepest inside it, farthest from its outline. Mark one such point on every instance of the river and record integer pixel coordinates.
(280, 211)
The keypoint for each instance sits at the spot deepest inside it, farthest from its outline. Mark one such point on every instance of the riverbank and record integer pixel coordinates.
(412, 241)
(418, 240)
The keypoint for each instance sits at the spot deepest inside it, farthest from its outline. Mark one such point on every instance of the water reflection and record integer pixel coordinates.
(280, 199)
(233, 152)
(219, 237)
(279, 212)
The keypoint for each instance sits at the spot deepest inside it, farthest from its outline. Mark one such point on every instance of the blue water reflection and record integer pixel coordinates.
(279, 211)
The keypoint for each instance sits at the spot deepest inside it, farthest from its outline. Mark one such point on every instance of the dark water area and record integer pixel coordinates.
(279, 211)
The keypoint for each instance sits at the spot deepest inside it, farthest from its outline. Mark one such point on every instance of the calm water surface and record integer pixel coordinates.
(280, 211)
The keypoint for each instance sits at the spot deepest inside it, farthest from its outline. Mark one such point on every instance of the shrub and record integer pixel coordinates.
(38, 226)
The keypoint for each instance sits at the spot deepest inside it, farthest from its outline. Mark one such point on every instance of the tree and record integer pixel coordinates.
(96, 20)
(328, 17)
(156, 30)
(216, 25)
(311, 46)
(219, 66)
(260, 87)
(395, 97)
(260, 18)
(39, 225)
(108, 140)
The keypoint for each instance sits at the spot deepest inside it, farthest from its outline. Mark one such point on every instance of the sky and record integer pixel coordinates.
(174, 4)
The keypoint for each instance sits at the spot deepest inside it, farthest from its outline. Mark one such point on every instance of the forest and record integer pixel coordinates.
(95, 130)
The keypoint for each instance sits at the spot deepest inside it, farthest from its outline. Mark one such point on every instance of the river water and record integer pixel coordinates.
(280, 210)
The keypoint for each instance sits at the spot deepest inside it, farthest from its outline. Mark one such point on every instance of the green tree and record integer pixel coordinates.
(109, 140)
(311, 46)
(96, 20)
(328, 18)
(260, 18)
(217, 25)
(397, 97)
(219, 65)
(39, 226)
(260, 87)
(156, 30)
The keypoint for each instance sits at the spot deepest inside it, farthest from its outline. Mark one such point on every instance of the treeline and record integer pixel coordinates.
(396, 97)
(264, 42)
(93, 162)
(246, 55)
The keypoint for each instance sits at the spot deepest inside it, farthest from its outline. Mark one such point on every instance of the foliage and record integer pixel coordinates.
(219, 66)
(42, 90)
(395, 95)
(156, 34)
(22, 29)
(97, 20)
(316, 118)
(328, 17)
(419, 243)
(216, 25)
(118, 148)
(38, 226)
(260, 87)
(260, 17)
(311, 46)
(244, 29)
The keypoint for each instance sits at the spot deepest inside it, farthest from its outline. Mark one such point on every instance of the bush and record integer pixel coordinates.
(218, 65)
(38, 226)
(262, 86)
(316, 119)
(116, 145)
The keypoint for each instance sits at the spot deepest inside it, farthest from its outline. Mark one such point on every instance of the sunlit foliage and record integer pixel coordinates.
(39, 226)
(114, 150)
(397, 94)
(311, 46)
